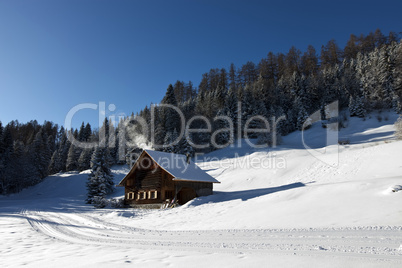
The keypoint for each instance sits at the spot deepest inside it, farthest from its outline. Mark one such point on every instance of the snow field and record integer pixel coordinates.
(305, 214)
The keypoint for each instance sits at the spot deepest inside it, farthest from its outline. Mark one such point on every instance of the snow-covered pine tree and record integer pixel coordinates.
(100, 181)
(40, 154)
(221, 138)
(52, 169)
(109, 159)
(7, 151)
(266, 138)
(172, 119)
(120, 148)
(72, 158)
(219, 95)
(385, 76)
(248, 110)
(231, 109)
(63, 149)
(360, 110)
(352, 106)
(167, 143)
(302, 118)
(397, 74)
(278, 122)
(170, 138)
(185, 147)
(158, 121)
(81, 132)
(19, 167)
(84, 161)
(87, 132)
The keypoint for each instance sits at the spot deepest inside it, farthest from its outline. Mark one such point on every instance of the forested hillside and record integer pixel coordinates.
(364, 76)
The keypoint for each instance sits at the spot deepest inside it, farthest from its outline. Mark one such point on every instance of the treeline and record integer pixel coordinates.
(30, 152)
(365, 75)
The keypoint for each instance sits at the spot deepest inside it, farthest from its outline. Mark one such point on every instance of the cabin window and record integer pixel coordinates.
(142, 195)
(153, 194)
(130, 195)
(129, 182)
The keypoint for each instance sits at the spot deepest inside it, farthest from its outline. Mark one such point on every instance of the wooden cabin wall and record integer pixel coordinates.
(201, 188)
(150, 177)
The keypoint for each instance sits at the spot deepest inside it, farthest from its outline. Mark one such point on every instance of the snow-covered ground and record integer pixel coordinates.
(280, 207)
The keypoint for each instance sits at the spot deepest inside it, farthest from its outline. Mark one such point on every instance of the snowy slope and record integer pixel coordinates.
(306, 192)
(280, 206)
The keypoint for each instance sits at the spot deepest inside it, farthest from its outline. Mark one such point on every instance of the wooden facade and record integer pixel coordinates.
(150, 184)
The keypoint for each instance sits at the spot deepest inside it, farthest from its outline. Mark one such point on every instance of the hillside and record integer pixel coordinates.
(297, 211)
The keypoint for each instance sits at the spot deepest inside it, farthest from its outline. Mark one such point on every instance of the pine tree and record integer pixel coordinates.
(232, 76)
(248, 109)
(52, 169)
(63, 149)
(172, 119)
(357, 107)
(185, 147)
(120, 147)
(19, 169)
(231, 108)
(386, 79)
(302, 119)
(7, 151)
(72, 158)
(81, 132)
(84, 161)
(397, 74)
(352, 106)
(170, 138)
(40, 154)
(221, 138)
(159, 123)
(87, 132)
(100, 181)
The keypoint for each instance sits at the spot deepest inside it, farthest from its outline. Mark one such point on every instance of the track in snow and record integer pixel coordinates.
(372, 242)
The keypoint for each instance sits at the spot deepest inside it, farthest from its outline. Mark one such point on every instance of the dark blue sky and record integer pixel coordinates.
(57, 54)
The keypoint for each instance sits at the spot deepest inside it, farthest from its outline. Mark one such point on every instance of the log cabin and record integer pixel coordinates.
(159, 179)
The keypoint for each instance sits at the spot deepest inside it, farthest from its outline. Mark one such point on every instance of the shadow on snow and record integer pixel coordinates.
(245, 195)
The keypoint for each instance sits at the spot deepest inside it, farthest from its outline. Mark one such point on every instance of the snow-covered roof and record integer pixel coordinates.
(177, 166)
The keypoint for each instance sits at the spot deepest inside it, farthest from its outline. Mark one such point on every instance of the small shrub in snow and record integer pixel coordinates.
(398, 127)
(99, 201)
(343, 142)
(116, 203)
